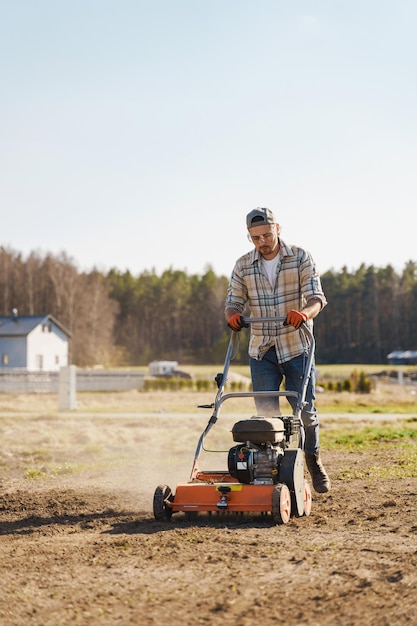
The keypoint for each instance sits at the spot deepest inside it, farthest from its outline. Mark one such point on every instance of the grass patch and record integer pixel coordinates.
(395, 442)
(370, 436)
(357, 407)
(348, 436)
(400, 469)
(403, 466)
(52, 471)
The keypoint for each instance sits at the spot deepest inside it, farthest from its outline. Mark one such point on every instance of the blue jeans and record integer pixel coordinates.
(267, 375)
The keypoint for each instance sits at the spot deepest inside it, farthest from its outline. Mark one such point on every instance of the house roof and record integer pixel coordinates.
(22, 325)
(402, 354)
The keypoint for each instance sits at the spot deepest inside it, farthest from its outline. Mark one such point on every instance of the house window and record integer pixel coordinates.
(5, 359)
(56, 360)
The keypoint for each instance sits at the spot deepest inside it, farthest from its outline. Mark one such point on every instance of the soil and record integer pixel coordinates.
(79, 543)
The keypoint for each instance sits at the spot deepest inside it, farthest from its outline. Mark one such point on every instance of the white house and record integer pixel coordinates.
(402, 357)
(33, 343)
(162, 368)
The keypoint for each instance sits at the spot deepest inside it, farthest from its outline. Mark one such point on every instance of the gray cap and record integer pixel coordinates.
(258, 217)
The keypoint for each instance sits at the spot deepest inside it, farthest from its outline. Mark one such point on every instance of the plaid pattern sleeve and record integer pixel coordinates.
(296, 282)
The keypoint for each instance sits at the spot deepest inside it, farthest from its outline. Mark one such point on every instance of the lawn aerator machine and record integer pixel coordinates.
(265, 472)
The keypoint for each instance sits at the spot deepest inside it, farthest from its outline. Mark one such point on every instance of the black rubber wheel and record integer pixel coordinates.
(291, 473)
(281, 504)
(161, 509)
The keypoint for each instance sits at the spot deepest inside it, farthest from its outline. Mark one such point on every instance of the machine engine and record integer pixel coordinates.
(262, 442)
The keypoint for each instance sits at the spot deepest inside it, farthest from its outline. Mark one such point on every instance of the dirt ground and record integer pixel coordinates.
(79, 544)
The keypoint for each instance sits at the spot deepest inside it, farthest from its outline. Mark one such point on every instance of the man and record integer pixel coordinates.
(278, 280)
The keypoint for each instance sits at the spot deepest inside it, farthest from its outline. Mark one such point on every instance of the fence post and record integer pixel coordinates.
(67, 388)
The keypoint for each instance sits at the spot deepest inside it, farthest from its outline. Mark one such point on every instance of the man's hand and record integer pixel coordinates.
(295, 318)
(236, 322)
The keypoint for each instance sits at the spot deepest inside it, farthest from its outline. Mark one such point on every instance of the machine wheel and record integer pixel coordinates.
(307, 498)
(291, 473)
(161, 510)
(281, 504)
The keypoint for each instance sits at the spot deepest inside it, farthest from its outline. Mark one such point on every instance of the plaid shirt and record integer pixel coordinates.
(297, 281)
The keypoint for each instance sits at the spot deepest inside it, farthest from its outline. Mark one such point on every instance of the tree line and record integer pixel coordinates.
(116, 318)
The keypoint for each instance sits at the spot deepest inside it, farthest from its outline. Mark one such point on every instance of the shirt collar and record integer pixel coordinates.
(284, 250)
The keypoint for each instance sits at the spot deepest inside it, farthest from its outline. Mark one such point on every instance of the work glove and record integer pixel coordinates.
(236, 322)
(295, 318)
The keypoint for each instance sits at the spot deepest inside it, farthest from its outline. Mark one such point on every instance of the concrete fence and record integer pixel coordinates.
(20, 381)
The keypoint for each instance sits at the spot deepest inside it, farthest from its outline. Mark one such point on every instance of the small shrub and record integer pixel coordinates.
(347, 385)
(364, 384)
(237, 386)
(357, 382)
(185, 383)
(203, 384)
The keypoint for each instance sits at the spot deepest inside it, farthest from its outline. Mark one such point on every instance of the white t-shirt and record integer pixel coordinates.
(269, 267)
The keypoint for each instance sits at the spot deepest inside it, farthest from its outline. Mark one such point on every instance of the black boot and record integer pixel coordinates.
(321, 481)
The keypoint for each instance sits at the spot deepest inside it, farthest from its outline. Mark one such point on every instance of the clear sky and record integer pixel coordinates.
(137, 135)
